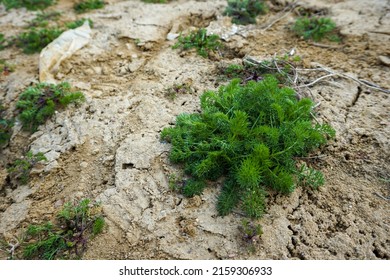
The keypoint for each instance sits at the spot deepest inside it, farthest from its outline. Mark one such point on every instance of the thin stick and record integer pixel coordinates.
(381, 196)
(317, 80)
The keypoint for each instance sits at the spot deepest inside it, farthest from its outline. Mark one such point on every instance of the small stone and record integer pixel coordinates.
(172, 36)
(384, 60)
(84, 164)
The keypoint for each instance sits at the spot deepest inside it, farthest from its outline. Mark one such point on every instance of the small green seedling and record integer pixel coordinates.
(68, 237)
(32, 5)
(250, 233)
(199, 40)
(78, 23)
(245, 11)
(183, 88)
(43, 19)
(249, 134)
(5, 127)
(20, 169)
(316, 28)
(39, 102)
(6, 68)
(87, 5)
(2, 42)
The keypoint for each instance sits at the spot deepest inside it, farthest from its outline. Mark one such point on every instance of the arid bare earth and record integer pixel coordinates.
(109, 149)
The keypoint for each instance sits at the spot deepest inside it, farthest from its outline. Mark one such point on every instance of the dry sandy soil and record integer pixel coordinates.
(108, 149)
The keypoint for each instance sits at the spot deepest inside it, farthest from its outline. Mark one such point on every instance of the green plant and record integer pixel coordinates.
(87, 5)
(199, 40)
(156, 1)
(35, 39)
(5, 127)
(249, 134)
(5, 67)
(250, 233)
(43, 19)
(32, 5)
(183, 88)
(20, 169)
(282, 67)
(39, 102)
(315, 28)
(2, 41)
(67, 239)
(245, 11)
(78, 23)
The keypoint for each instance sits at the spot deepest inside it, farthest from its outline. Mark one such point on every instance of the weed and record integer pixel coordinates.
(251, 233)
(5, 127)
(245, 11)
(183, 88)
(2, 41)
(32, 5)
(67, 239)
(315, 28)
(249, 134)
(38, 103)
(35, 39)
(78, 23)
(198, 39)
(43, 19)
(281, 67)
(156, 1)
(6, 68)
(87, 5)
(20, 169)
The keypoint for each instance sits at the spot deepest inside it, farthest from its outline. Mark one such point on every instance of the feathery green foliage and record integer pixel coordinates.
(34, 40)
(87, 5)
(5, 127)
(315, 28)
(249, 134)
(38, 103)
(20, 169)
(67, 239)
(198, 39)
(32, 5)
(245, 11)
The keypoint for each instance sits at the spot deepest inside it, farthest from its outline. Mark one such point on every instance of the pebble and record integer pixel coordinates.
(384, 60)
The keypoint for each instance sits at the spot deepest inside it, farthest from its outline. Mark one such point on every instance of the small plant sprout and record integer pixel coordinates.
(251, 233)
(38, 103)
(249, 134)
(245, 11)
(32, 5)
(20, 169)
(183, 88)
(44, 18)
(87, 5)
(199, 40)
(5, 127)
(35, 39)
(67, 238)
(316, 28)
(78, 23)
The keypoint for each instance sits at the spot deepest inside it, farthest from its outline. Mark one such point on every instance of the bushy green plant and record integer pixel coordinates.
(34, 40)
(32, 5)
(67, 239)
(315, 28)
(39, 102)
(78, 23)
(198, 39)
(249, 134)
(245, 11)
(5, 127)
(87, 5)
(20, 169)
